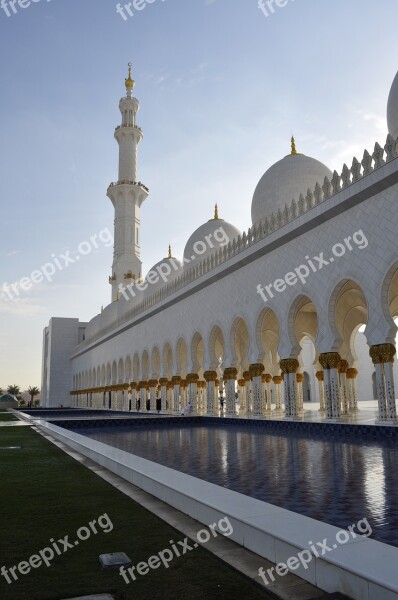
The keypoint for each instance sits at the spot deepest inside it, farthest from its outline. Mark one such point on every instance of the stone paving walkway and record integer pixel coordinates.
(367, 415)
(15, 424)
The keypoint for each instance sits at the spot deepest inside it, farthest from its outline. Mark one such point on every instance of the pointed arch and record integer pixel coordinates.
(181, 357)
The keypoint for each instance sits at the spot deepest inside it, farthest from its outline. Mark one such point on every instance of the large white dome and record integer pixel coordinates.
(285, 181)
(392, 109)
(208, 238)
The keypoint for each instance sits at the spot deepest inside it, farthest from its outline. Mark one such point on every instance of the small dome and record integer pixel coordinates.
(8, 401)
(208, 238)
(163, 272)
(285, 181)
(392, 109)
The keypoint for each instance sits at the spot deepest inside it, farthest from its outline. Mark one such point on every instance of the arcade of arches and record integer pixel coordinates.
(244, 365)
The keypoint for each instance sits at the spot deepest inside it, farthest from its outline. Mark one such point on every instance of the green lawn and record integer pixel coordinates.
(46, 494)
(5, 416)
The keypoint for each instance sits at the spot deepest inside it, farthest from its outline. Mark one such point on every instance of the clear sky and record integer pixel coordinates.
(221, 86)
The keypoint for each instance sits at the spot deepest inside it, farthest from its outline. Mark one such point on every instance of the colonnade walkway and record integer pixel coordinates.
(367, 414)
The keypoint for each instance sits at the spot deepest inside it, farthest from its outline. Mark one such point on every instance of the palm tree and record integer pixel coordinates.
(33, 391)
(14, 390)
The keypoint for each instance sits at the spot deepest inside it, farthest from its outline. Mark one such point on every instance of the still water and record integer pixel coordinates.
(338, 482)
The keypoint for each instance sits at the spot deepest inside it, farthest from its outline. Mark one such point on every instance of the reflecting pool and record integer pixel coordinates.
(336, 481)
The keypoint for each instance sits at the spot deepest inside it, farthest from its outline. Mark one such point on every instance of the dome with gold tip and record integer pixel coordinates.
(209, 237)
(163, 272)
(285, 181)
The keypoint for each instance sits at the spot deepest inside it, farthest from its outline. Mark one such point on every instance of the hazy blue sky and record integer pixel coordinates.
(221, 89)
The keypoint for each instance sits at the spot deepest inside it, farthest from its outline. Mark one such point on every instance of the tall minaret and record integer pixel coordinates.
(127, 195)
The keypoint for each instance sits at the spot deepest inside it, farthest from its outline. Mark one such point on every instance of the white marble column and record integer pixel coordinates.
(242, 397)
(277, 380)
(256, 370)
(383, 359)
(163, 393)
(248, 386)
(143, 395)
(170, 397)
(183, 393)
(300, 393)
(266, 379)
(344, 395)
(289, 367)
(176, 381)
(230, 391)
(321, 383)
(391, 405)
(192, 381)
(330, 362)
(211, 378)
(153, 383)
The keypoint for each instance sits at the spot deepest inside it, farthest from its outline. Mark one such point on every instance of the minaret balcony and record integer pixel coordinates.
(128, 182)
(129, 127)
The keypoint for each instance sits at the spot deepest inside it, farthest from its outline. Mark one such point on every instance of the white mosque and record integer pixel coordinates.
(299, 308)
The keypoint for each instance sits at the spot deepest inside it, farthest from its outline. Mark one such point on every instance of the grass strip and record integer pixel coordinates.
(46, 494)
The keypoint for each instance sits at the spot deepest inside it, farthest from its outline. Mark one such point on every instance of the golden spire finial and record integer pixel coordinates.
(216, 213)
(294, 151)
(129, 82)
(170, 255)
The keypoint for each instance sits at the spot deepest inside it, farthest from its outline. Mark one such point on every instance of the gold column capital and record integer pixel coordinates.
(192, 378)
(289, 365)
(382, 353)
(343, 366)
(352, 373)
(230, 373)
(330, 360)
(256, 370)
(210, 376)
